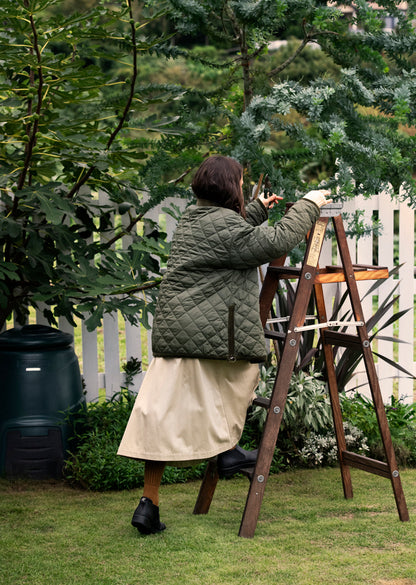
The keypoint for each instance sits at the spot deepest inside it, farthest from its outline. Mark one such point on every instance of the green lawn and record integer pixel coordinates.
(308, 534)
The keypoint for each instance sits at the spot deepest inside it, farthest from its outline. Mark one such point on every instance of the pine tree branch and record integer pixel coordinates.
(133, 221)
(290, 59)
(308, 38)
(181, 177)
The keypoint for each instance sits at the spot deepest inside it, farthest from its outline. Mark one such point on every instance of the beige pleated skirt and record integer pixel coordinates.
(188, 410)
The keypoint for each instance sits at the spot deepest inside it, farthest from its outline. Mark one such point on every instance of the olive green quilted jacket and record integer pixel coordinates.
(208, 305)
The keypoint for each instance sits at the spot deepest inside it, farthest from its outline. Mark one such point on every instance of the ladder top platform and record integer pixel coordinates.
(329, 274)
(331, 210)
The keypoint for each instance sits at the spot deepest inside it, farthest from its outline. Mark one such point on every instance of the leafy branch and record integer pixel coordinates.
(33, 125)
(309, 37)
(82, 180)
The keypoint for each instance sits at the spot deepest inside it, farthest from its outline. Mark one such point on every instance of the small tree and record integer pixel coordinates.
(73, 138)
(356, 126)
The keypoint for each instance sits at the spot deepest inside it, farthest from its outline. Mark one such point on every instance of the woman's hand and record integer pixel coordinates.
(319, 197)
(269, 201)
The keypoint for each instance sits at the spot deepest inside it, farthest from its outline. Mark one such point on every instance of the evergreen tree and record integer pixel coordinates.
(357, 125)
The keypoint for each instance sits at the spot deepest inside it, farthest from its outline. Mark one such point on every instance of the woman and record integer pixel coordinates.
(207, 336)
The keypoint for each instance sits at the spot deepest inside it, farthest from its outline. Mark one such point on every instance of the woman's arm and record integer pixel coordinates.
(256, 245)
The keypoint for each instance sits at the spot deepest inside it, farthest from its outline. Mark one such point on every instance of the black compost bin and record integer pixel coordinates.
(40, 383)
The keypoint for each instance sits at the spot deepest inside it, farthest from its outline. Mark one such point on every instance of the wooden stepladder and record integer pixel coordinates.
(311, 279)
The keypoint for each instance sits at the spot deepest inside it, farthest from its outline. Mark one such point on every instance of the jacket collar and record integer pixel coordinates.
(206, 203)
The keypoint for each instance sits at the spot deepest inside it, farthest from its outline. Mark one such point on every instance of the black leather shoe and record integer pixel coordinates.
(232, 461)
(146, 517)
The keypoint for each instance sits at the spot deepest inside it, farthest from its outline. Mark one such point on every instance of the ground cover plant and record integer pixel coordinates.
(307, 534)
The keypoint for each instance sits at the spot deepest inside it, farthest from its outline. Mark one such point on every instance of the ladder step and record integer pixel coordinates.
(356, 267)
(342, 339)
(330, 274)
(365, 463)
(261, 401)
(269, 334)
(284, 271)
(249, 472)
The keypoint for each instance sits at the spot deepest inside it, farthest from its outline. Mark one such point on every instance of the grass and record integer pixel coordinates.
(307, 534)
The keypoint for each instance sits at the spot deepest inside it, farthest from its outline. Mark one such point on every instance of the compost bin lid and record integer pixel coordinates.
(34, 337)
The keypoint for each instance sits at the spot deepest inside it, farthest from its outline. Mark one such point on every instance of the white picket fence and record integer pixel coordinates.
(395, 246)
(400, 241)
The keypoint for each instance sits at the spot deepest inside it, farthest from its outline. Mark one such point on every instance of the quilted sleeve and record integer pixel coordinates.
(256, 245)
(256, 213)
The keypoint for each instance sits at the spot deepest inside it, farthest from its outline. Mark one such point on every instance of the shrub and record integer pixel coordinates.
(307, 407)
(307, 434)
(401, 418)
(307, 410)
(92, 459)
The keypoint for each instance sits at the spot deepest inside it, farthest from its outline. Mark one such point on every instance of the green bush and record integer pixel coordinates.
(306, 436)
(307, 406)
(401, 418)
(97, 429)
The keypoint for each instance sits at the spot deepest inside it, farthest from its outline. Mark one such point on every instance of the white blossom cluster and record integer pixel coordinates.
(322, 449)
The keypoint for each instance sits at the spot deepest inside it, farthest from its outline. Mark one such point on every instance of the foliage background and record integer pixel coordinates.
(125, 100)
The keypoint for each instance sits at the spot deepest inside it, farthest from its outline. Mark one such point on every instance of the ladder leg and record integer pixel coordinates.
(371, 372)
(385, 435)
(267, 446)
(279, 394)
(268, 291)
(207, 489)
(333, 394)
(338, 423)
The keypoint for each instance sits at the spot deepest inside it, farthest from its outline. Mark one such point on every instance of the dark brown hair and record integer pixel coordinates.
(218, 180)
